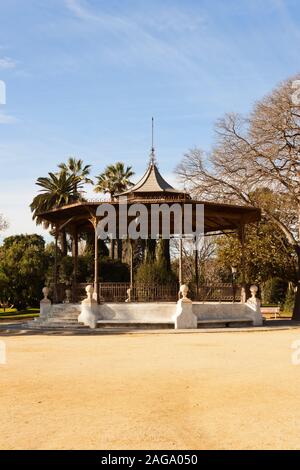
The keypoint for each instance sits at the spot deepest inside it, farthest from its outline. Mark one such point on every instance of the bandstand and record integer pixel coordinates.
(152, 189)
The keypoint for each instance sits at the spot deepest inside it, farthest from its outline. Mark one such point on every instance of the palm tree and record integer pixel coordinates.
(114, 179)
(57, 190)
(76, 168)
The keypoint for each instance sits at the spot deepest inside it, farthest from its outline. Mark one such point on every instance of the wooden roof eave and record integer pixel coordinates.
(221, 216)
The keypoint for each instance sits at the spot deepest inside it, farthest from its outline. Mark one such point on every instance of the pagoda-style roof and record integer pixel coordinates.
(153, 186)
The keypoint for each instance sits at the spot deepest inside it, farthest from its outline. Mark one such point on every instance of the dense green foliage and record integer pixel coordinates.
(76, 168)
(57, 190)
(114, 179)
(109, 270)
(289, 300)
(23, 264)
(274, 291)
(26, 265)
(156, 266)
(154, 273)
(267, 254)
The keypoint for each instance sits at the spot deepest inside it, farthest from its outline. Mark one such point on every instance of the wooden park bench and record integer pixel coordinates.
(271, 312)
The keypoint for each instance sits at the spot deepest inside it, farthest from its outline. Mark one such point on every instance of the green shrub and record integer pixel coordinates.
(113, 271)
(154, 273)
(274, 291)
(23, 264)
(109, 270)
(289, 301)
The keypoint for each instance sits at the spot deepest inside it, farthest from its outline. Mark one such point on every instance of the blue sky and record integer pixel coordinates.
(84, 77)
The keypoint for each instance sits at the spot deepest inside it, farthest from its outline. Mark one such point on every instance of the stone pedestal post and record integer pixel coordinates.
(254, 304)
(45, 304)
(184, 317)
(89, 309)
(68, 293)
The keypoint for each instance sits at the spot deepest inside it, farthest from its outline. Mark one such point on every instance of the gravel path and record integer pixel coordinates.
(236, 390)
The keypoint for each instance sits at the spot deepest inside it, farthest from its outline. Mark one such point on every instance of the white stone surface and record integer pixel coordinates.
(158, 312)
(184, 314)
(184, 317)
(89, 309)
(164, 312)
(253, 304)
(60, 315)
(228, 311)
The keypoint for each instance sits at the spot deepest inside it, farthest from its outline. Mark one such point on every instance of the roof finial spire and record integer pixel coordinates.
(152, 154)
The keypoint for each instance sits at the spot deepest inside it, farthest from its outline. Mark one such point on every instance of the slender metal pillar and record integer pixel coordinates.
(96, 267)
(243, 277)
(131, 264)
(55, 299)
(180, 262)
(75, 262)
(197, 272)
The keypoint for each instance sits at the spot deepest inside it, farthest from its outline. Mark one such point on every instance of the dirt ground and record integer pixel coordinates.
(221, 390)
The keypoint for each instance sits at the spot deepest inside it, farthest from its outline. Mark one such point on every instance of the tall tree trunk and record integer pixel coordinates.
(149, 253)
(119, 249)
(163, 253)
(166, 251)
(63, 242)
(296, 311)
(112, 248)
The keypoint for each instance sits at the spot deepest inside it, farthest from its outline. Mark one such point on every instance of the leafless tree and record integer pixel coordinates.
(193, 262)
(256, 160)
(3, 223)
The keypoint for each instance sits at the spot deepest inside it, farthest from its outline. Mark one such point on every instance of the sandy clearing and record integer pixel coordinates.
(151, 391)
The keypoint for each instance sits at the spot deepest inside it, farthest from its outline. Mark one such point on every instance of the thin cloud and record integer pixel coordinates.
(7, 63)
(7, 119)
(79, 10)
(140, 36)
(174, 20)
(179, 42)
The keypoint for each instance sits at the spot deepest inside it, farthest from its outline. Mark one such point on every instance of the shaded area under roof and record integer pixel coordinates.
(217, 216)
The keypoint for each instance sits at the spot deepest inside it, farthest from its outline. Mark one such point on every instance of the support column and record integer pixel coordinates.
(119, 243)
(196, 272)
(243, 277)
(131, 264)
(96, 271)
(130, 290)
(180, 262)
(55, 299)
(112, 248)
(75, 262)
